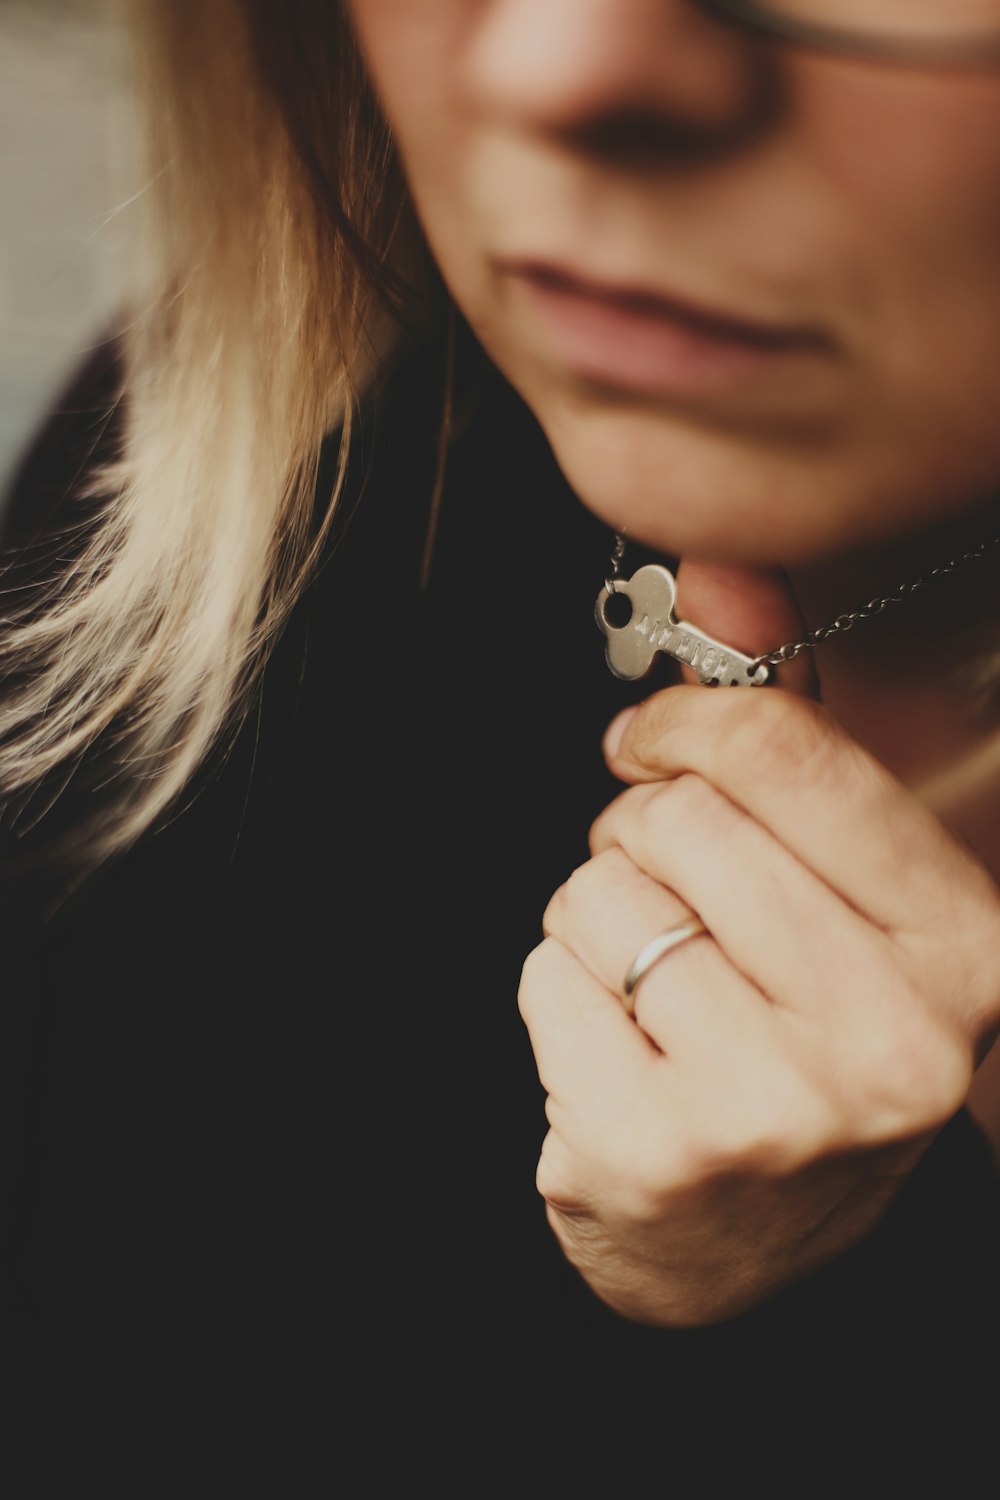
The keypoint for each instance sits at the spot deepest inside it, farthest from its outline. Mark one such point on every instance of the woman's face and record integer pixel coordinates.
(751, 294)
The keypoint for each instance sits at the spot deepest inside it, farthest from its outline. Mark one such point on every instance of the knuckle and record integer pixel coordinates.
(583, 887)
(771, 1124)
(763, 1147)
(781, 732)
(684, 807)
(765, 1144)
(690, 803)
(645, 1173)
(537, 973)
(605, 830)
(974, 962)
(770, 1138)
(661, 712)
(553, 913)
(934, 1079)
(549, 1185)
(578, 883)
(914, 1075)
(554, 1181)
(642, 1194)
(651, 1190)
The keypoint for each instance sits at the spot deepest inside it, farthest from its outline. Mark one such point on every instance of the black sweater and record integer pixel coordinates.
(270, 1116)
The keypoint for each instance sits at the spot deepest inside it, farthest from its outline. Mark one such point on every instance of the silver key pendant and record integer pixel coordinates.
(652, 591)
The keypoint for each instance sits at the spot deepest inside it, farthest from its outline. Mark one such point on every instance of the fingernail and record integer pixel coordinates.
(615, 732)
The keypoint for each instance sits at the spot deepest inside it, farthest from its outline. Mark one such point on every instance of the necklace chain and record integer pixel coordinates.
(615, 571)
(844, 622)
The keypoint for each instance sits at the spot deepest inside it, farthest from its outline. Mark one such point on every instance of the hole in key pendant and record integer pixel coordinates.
(652, 627)
(618, 610)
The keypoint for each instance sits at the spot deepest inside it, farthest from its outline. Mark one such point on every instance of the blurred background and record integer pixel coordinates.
(67, 168)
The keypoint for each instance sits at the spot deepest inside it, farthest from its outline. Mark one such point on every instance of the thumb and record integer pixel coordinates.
(753, 609)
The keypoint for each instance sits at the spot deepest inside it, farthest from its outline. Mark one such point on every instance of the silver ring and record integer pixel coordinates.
(656, 949)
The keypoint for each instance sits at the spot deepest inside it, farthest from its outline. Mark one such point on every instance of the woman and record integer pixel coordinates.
(732, 281)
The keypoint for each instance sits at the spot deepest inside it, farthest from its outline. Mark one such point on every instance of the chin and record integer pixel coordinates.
(682, 490)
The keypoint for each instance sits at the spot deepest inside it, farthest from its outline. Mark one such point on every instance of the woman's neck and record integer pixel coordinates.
(913, 684)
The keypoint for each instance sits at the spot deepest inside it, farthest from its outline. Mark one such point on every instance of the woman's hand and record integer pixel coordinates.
(784, 1072)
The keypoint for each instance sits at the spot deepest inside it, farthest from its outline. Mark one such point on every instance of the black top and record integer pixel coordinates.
(270, 1116)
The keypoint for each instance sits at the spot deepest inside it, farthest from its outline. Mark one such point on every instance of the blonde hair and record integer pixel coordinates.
(265, 298)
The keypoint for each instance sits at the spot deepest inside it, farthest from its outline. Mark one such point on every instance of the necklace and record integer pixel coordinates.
(653, 626)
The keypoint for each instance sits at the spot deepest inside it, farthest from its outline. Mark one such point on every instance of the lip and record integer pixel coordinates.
(633, 339)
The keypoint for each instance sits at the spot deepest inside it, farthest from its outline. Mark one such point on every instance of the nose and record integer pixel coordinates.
(624, 71)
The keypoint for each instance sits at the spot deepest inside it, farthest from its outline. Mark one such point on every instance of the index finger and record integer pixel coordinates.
(790, 765)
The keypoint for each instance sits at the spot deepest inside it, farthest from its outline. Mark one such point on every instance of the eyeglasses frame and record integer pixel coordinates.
(977, 50)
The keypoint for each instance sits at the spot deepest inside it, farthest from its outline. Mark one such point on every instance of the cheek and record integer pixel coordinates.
(911, 162)
(916, 166)
(415, 58)
(413, 55)
(903, 144)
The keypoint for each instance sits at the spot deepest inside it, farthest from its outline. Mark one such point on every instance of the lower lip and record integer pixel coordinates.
(635, 348)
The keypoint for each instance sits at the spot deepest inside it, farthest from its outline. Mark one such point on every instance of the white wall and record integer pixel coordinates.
(66, 146)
